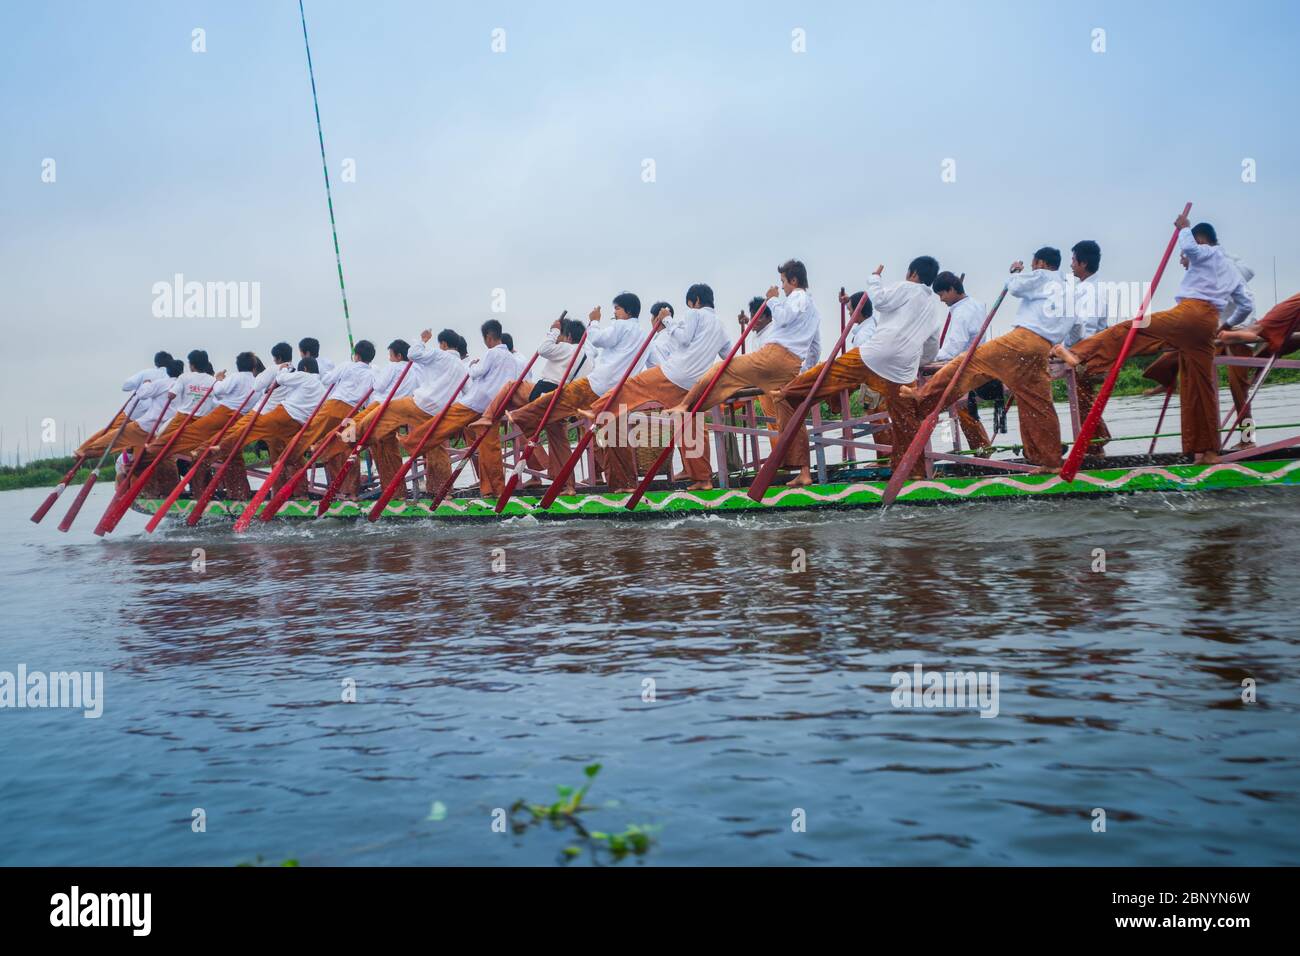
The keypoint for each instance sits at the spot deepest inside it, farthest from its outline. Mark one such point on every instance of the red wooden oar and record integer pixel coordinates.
(122, 503)
(199, 459)
(136, 459)
(246, 516)
(794, 427)
(89, 483)
(202, 501)
(72, 514)
(496, 421)
(48, 503)
(1255, 385)
(536, 436)
(1084, 438)
(285, 493)
(355, 454)
(899, 474)
(586, 437)
(399, 479)
(722, 367)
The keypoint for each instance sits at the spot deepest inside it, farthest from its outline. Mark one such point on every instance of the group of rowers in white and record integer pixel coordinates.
(679, 362)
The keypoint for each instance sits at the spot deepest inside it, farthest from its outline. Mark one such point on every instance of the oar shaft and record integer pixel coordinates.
(1081, 443)
(89, 483)
(355, 453)
(237, 452)
(285, 493)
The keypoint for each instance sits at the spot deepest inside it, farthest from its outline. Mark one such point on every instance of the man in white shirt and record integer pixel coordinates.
(685, 348)
(283, 414)
(906, 316)
(487, 376)
(963, 323)
(1190, 327)
(188, 391)
(352, 383)
(787, 343)
(152, 394)
(612, 346)
(229, 394)
(1018, 359)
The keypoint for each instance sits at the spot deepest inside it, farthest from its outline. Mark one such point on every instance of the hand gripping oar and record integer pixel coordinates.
(202, 501)
(89, 483)
(722, 367)
(1084, 438)
(585, 438)
(122, 503)
(794, 427)
(496, 421)
(199, 459)
(285, 493)
(48, 503)
(916, 449)
(399, 479)
(536, 436)
(355, 454)
(246, 516)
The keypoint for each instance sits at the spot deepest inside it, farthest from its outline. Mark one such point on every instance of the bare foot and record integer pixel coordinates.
(1044, 470)
(1206, 458)
(801, 480)
(623, 491)
(676, 410)
(700, 486)
(1065, 355)
(1153, 390)
(907, 391)
(1233, 336)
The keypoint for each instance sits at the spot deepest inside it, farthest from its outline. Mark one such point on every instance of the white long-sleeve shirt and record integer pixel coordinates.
(1212, 277)
(263, 383)
(795, 323)
(142, 376)
(689, 344)
(1230, 315)
(611, 346)
(386, 378)
(1042, 303)
(440, 372)
(231, 391)
(350, 381)
(907, 319)
(555, 355)
(188, 391)
(1091, 307)
(814, 353)
(967, 318)
(488, 376)
(150, 400)
(299, 392)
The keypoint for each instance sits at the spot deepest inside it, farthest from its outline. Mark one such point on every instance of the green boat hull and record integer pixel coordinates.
(853, 494)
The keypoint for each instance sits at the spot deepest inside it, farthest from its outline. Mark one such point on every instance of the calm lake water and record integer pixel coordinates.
(772, 688)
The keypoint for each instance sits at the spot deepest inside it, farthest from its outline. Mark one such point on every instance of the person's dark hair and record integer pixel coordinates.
(948, 282)
(462, 346)
(1088, 253)
(794, 271)
(175, 368)
(630, 302)
(450, 338)
(867, 307)
(490, 327)
(281, 352)
(702, 292)
(1049, 255)
(161, 359)
(364, 350)
(400, 346)
(573, 330)
(925, 267)
(755, 304)
(1203, 230)
(654, 309)
(308, 364)
(258, 367)
(198, 360)
(508, 340)
(245, 362)
(309, 346)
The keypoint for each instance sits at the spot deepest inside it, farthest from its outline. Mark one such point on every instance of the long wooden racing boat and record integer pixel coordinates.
(853, 489)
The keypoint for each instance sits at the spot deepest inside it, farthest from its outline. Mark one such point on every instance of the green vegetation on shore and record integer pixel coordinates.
(46, 472)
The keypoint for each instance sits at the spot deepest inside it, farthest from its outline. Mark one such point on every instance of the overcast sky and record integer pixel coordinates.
(524, 170)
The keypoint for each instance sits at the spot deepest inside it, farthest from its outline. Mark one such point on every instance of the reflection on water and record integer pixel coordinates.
(771, 686)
